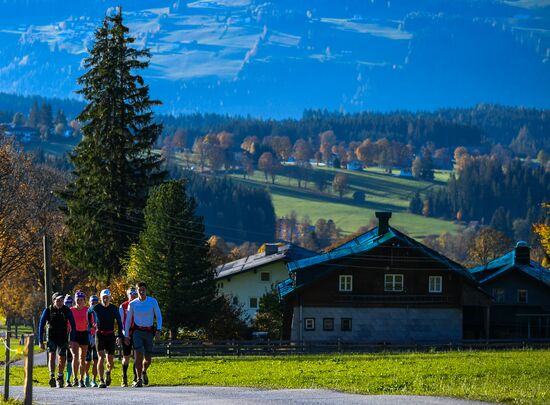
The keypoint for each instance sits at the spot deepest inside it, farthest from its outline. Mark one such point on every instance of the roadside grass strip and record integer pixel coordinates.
(514, 376)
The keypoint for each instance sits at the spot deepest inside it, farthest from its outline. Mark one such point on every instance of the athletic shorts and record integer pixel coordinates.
(58, 345)
(105, 343)
(82, 338)
(91, 353)
(143, 341)
(126, 349)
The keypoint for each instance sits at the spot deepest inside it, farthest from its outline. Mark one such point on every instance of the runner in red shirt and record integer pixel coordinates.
(127, 348)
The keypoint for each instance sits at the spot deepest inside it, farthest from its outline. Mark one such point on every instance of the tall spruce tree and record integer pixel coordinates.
(172, 258)
(114, 166)
(34, 115)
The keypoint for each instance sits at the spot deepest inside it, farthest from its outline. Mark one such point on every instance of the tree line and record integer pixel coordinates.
(505, 195)
(479, 126)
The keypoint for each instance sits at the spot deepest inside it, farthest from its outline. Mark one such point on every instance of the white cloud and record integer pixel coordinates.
(376, 30)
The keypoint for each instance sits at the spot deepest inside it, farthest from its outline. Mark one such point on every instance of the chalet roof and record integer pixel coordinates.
(506, 263)
(362, 244)
(287, 252)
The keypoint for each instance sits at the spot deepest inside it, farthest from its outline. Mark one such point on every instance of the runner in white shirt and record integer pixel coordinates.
(142, 311)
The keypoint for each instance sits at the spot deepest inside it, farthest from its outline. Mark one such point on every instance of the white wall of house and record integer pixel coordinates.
(377, 325)
(248, 287)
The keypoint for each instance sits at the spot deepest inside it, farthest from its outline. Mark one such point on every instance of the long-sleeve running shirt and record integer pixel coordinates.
(104, 318)
(57, 318)
(142, 313)
(123, 310)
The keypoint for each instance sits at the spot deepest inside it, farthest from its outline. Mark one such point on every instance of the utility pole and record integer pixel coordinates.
(47, 270)
(7, 366)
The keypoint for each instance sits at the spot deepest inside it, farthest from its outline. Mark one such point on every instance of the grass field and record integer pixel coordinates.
(56, 147)
(14, 343)
(383, 192)
(515, 377)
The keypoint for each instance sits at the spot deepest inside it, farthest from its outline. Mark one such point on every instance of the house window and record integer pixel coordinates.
(522, 296)
(345, 324)
(309, 323)
(393, 282)
(328, 323)
(235, 301)
(498, 295)
(253, 302)
(265, 276)
(435, 284)
(346, 283)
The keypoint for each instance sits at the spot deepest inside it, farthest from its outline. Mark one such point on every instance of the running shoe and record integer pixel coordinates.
(59, 383)
(87, 381)
(102, 384)
(75, 383)
(145, 379)
(124, 382)
(82, 384)
(108, 378)
(69, 383)
(94, 384)
(137, 384)
(52, 381)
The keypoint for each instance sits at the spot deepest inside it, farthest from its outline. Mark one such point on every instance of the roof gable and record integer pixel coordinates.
(505, 263)
(287, 252)
(363, 244)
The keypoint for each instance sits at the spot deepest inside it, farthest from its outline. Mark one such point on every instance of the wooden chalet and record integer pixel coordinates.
(382, 287)
(520, 288)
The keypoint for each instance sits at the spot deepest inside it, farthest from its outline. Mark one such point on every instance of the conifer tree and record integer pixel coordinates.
(172, 258)
(45, 115)
(114, 166)
(34, 115)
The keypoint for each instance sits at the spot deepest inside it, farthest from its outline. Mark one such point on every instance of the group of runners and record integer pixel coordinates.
(84, 337)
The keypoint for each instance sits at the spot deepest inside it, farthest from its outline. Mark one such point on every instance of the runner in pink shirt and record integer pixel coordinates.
(80, 314)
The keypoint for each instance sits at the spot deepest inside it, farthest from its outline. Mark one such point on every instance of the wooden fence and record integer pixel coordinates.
(181, 348)
(28, 354)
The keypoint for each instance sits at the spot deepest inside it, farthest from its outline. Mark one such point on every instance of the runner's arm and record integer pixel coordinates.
(119, 323)
(45, 317)
(90, 319)
(158, 315)
(73, 326)
(129, 317)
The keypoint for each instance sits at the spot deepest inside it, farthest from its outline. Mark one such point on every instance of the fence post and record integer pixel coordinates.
(29, 362)
(7, 371)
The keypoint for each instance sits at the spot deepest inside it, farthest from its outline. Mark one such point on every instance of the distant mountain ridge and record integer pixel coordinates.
(277, 58)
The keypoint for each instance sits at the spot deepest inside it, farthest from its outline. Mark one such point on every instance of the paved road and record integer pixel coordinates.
(219, 396)
(40, 359)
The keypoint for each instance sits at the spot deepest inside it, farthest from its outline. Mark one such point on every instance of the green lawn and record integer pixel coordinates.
(14, 346)
(55, 146)
(383, 192)
(14, 343)
(514, 376)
